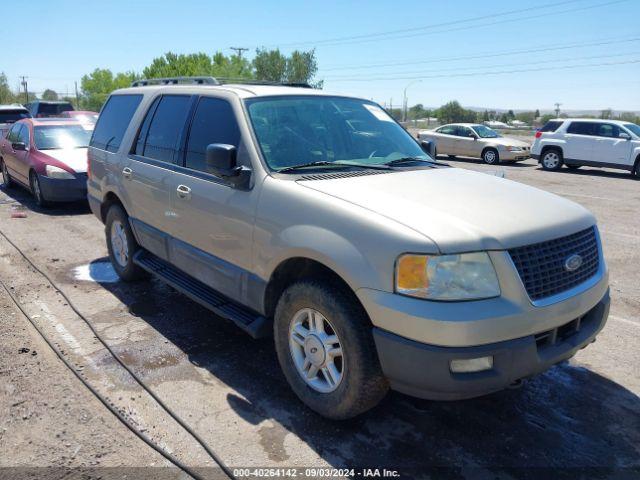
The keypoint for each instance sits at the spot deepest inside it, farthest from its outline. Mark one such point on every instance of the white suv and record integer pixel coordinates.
(575, 142)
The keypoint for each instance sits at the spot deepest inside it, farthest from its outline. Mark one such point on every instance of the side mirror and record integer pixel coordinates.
(19, 146)
(624, 135)
(222, 162)
(428, 147)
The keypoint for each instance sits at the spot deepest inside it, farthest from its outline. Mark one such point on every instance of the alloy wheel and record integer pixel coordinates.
(119, 244)
(316, 350)
(551, 160)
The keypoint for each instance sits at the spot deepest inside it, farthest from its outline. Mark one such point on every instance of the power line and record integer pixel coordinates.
(484, 55)
(415, 72)
(425, 27)
(489, 72)
(400, 34)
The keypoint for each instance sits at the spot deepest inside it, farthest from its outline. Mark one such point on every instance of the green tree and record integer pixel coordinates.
(49, 94)
(299, 67)
(453, 112)
(485, 116)
(198, 64)
(537, 114)
(270, 65)
(6, 95)
(606, 114)
(526, 117)
(97, 86)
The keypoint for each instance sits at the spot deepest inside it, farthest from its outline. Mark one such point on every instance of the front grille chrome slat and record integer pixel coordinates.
(541, 266)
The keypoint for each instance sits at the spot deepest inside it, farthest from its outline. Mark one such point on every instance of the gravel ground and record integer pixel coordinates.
(582, 416)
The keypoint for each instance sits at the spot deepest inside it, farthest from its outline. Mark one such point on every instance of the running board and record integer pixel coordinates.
(254, 324)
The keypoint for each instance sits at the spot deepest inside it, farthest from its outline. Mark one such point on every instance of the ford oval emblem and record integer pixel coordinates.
(573, 262)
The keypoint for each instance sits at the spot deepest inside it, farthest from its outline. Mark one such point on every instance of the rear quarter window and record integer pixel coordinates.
(114, 121)
(551, 126)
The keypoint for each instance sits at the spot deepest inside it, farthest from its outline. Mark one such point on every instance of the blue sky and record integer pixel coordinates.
(431, 50)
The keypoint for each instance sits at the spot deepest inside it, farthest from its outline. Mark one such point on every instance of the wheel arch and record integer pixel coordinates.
(110, 199)
(299, 268)
(546, 148)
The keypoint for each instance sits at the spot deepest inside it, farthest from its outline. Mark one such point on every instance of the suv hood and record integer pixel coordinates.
(461, 210)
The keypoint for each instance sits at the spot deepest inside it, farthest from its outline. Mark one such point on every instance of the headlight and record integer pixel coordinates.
(56, 172)
(514, 149)
(466, 276)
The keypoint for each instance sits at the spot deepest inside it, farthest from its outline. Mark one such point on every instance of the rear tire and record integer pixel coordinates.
(335, 385)
(551, 160)
(636, 170)
(122, 245)
(490, 156)
(5, 179)
(34, 182)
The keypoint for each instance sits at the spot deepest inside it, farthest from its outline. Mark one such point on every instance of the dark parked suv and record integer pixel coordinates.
(41, 108)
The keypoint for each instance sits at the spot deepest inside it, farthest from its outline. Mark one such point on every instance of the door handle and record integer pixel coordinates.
(127, 172)
(184, 192)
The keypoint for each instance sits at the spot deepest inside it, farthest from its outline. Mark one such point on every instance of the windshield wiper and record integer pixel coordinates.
(410, 161)
(326, 163)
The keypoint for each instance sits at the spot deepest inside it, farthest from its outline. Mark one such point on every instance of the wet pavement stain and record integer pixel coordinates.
(272, 442)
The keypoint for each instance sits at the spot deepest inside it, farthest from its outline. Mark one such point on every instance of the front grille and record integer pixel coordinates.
(542, 265)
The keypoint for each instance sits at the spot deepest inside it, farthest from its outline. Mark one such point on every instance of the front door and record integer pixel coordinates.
(466, 142)
(212, 222)
(610, 148)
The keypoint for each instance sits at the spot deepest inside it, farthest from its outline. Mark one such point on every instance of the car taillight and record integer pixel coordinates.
(538, 134)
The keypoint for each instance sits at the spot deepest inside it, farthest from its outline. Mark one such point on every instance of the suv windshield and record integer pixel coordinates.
(61, 136)
(11, 116)
(485, 132)
(633, 127)
(303, 130)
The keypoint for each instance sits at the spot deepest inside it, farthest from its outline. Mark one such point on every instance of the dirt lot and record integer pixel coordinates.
(582, 416)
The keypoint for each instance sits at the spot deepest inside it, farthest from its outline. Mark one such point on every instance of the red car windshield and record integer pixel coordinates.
(52, 137)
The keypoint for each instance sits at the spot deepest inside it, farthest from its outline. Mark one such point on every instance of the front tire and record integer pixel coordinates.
(490, 156)
(122, 245)
(36, 190)
(551, 160)
(5, 178)
(636, 170)
(326, 350)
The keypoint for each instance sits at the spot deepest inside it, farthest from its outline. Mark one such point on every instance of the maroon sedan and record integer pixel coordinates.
(47, 156)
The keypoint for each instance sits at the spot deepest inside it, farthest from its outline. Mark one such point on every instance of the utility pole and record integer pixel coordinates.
(239, 51)
(557, 110)
(26, 91)
(77, 97)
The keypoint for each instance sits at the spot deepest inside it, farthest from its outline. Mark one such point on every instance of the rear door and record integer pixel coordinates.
(148, 169)
(610, 148)
(580, 142)
(8, 153)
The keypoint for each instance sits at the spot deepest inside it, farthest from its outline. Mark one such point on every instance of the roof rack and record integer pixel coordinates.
(175, 81)
(251, 81)
(214, 81)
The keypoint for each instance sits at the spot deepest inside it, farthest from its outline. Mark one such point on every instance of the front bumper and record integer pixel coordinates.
(423, 370)
(59, 190)
(514, 156)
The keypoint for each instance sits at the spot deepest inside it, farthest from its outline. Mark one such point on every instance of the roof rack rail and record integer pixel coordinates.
(175, 81)
(251, 81)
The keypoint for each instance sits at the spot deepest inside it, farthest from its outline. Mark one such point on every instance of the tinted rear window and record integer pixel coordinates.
(582, 128)
(551, 126)
(113, 121)
(10, 116)
(166, 126)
